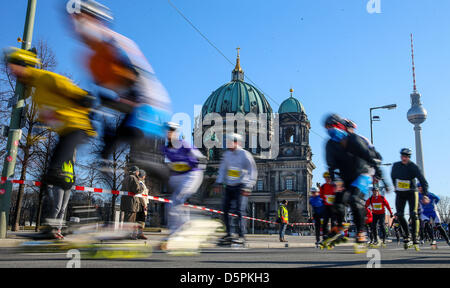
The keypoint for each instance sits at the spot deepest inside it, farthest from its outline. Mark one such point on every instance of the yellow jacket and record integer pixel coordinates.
(283, 214)
(57, 99)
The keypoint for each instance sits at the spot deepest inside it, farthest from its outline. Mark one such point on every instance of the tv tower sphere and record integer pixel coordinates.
(416, 114)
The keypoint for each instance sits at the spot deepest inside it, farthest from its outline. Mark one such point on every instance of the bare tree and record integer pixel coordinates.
(443, 208)
(119, 159)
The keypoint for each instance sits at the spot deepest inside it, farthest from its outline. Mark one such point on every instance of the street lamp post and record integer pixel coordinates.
(15, 130)
(377, 118)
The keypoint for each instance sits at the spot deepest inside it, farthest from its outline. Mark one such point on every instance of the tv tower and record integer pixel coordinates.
(417, 114)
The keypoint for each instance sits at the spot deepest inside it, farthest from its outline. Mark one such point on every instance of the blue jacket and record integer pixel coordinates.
(430, 207)
(183, 159)
(317, 204)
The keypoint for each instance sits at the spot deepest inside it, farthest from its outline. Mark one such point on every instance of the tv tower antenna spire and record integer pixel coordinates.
(413, 65)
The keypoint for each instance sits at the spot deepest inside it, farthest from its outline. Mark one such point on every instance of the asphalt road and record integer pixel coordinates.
(391, 257)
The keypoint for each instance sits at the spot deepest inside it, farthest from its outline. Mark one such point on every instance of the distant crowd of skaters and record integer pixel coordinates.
(353, 172)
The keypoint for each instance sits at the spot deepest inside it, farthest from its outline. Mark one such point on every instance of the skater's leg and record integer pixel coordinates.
(429, 229)
(317, 219)
(437, 223)
(400, 203)
(226, 209)
(326, 219)
(184, 186)
(373, 234)
(413, 202)
(357, 204)
(339, 207)
(63, 208)
(383, 227)
(242, 208)
(57, 197)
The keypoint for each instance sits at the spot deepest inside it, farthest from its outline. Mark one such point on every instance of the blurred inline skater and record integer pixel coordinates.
(318, 206)
(378, 205)
(397, 228)
(431, 216)
(403, 176)
(64, 108)
(187, 165)
(352, 156)
(369, 220)
(238, 173)
(116, 63)
(328, 194)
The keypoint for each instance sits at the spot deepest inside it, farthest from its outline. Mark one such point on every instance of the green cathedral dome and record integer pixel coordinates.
(236, 96)
(291, 105)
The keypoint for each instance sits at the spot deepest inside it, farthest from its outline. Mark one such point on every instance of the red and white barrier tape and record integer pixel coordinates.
(154, 198)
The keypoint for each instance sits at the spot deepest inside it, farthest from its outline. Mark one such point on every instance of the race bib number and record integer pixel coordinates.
(330, 199)
(180, 167)
(403, 185)
(377, 206)
(233, 174)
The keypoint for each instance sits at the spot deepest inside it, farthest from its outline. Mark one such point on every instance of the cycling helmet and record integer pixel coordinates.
(172, 126)
(22, 57)
(95, 9)
(334, 120)
(235, 137)
(406, 152)
(350, 124)
(326, 175)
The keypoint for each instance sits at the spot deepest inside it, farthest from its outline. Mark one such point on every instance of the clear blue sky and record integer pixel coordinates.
(337, 57)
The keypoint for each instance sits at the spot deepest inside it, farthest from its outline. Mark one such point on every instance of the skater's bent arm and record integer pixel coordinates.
(222, 171)
(386, 203)
(422, 180)
(252, 171)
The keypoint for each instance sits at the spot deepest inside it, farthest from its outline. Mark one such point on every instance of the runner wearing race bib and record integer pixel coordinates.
(328, 194)
(430, 216)
(238, 173)
(403, 176)
(185, 177)
(378, 203)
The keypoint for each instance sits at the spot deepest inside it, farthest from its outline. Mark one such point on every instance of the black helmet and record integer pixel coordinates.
(95, 9)
(134, 169)
(350, 124)
(333, 119)
(406, 151)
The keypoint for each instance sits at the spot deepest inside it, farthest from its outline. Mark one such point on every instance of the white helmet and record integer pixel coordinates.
(235, 137)
(172, 126)
(94, 9)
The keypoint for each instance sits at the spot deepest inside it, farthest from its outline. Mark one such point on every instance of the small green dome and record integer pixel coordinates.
(234, 97)
(291, 105)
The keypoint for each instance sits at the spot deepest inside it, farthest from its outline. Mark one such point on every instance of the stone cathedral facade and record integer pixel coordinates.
(286, 176)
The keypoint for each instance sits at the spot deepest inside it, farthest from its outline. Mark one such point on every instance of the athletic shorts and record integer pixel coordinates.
(431, 215)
